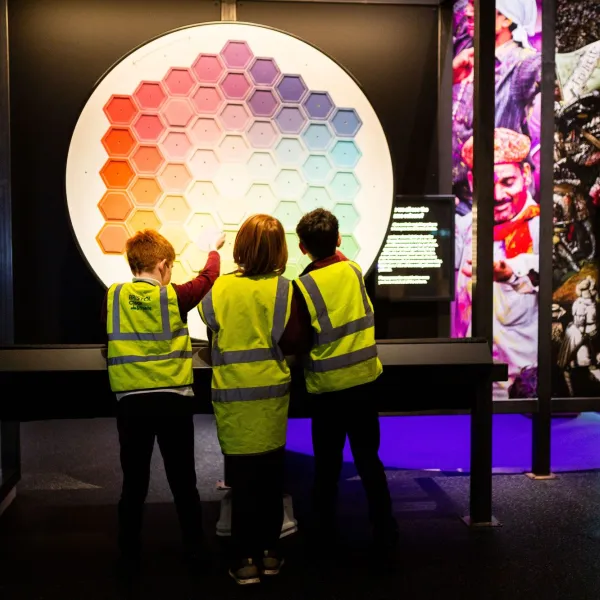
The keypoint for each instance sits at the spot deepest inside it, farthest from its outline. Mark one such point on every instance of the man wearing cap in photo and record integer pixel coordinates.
(516, 258)
(518, 75)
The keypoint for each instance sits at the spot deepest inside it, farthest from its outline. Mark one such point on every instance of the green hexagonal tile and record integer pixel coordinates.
(290, 151)
(344, 186)
(289, 185)
(317, 169)
(349, 247)
(347, 217)
(289, 214)
(294, 252)
(316, 197)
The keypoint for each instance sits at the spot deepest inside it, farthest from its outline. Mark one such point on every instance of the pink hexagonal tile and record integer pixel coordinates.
(235, 86)
(237, 55)
(175, 178)
(206, 132)
(179, 82)
(207, 100)
(262, 134)
(148, 128)
(176, 145)
(234, 117)
(178, 112)
(150, 95)
(203, 165)
(208, 68)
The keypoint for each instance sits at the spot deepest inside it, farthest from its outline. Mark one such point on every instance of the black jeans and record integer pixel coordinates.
(256, 502)
(141, 419)
(336, 415)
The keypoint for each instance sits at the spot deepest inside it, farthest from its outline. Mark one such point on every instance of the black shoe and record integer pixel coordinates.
(271, 563)
(245, 572)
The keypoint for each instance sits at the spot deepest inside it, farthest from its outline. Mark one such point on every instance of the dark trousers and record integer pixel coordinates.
(168, 418)
(256, 502)
(336, 415)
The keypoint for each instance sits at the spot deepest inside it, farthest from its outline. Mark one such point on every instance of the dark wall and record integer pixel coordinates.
(60, 48)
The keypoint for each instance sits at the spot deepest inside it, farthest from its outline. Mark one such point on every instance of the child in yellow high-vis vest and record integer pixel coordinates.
(340, 369)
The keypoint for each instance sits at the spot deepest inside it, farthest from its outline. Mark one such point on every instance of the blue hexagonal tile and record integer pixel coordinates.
(347, 217)
(290, 119)
(291, 88)
(317, 136)
(289, 214)
(318, 105)
(289, 185)
(290, 151)
(316, 197)
(344, 187)
(345, 154)
(346, 122)
(317, 169)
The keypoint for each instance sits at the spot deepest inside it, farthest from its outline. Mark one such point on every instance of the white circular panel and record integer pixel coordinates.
(204, 126)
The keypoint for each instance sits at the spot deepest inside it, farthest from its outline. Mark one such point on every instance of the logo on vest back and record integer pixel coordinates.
(137, 302)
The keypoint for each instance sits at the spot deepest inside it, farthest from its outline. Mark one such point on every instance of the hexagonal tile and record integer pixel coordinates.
(176, 145)
(237, 55)
(112, 238)
(261, 199)
(198, 224)
(179, 81)
(227, 251)
(289, 214)
(203, 197)
(234, 117)
(174, 208)
(235, 86)
(145, 191)
(290, 119)
(147, 159)
(203, 165)
(149, 128)
(316, 197)
(289, 185)
(180, 273)
(293, 245)
(178, 112)
(149, 95)
(290, 151)
(116, 173)
(317, 169)
(262, 134)
(291, 88)
(193, 257)
(233, 148)
(318, 105)
(347, 217)
(175, 177)
(263, 103)
(143, 219)
(344, 187)
(232, 212)
(346, 122)
(264, 71)
(115, 206)
(232, 181)
(118, 142)
(317, 136)
(292, 271)
(345, 154)
(206, 133)
(176, 234)
(207, 100)
(349, 247)
(262, 167)
(120, 110)
(208, 68)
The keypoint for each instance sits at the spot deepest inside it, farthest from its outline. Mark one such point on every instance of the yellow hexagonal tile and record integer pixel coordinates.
(174, 208)
(180, 274)
(194, 258)
(176, 234)
(143, 219)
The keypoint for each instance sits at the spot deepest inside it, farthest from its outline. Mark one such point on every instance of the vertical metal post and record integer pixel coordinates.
(228, 10)
(541, 423)
(483, 253)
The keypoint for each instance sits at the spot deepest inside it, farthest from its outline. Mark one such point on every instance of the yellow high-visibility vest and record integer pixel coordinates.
(148, 343)
(250, 379)
(344, 353)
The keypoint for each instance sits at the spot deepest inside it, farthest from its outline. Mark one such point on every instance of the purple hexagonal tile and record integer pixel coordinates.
(290, 119)
(291, 88)
(236, 55)
(263, 103)
(318, 105)
(264, 71)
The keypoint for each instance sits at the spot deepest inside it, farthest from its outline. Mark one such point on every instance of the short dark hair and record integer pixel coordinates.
(318, 231)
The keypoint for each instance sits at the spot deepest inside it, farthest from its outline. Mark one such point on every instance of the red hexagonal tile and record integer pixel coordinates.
(112, 238)
(149, 128)
(208, 68)
(120, 110)
(207, 100)
(147, 159)
(179, 82)
(150, 95)
(118, 142)
(146, 191)
(117, 174)
(115, 206)
(178, 112)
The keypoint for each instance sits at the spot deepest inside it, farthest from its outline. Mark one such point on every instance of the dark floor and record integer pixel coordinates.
(57, 539)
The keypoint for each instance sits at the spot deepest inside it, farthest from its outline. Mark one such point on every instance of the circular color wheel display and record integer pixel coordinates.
(207, 125)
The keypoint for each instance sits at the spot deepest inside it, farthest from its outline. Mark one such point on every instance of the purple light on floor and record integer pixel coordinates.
(442, 443)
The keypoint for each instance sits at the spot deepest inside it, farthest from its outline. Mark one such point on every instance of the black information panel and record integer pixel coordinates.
(417, 258)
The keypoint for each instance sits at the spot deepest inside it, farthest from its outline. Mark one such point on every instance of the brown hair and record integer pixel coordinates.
(260, 246)
(146, 249)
